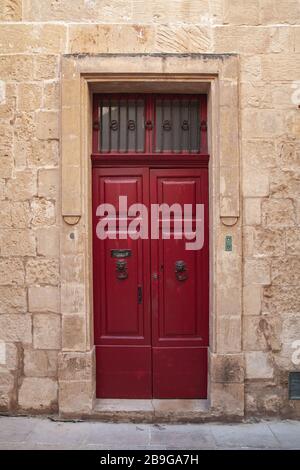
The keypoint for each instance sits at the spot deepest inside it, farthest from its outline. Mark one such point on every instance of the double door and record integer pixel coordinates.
(150, 291)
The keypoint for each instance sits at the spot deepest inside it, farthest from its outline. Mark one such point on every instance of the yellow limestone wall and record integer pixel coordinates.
(33, 36)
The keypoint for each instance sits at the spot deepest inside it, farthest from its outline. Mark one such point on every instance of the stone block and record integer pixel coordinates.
(47, 125)
(278, 12)
(241, 12)
(42, 271)
(6, 165)
(72, 298)
(252, 294)
(74, 333)
(46, 331)
(72, 268)
(286, 271)
(278, 213)
(187, 38)
(16, 67)
(15, 328)
(33, 38)
(43, 299)
(292, 241)
(252, 211)
(29, 97)
(46, 67)
(48, 183)
(285, 184)
(11, 271)
(228, 399)
(228, 334)
(22, 186)
(261, 333)
(17, 243)
(51, 96)
(99, 38)
(76, 365)
(255, 183)
(281, 299)
(227, 369)
(7, 389)
(76, 397)
(47, 241)
(14, 215)
(257, 272)
(43, 212)
(258, 365)
(268, 242)
(10, 10)
(13, 299)
(40, 363)
(38, 394)
(43, 154)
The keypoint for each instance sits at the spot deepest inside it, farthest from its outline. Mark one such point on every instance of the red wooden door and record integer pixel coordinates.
(121, 304)
(150, 295)
(179, 298)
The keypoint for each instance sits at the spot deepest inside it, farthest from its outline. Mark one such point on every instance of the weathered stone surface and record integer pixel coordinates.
(11, 357)
(261, 333)
(43, 153)
(241, 12)
(276, 11)
(48, 241)
(281, 299)
(43, 299)
(175, 38)
(292, 241)
(11, 271)
(278, 213)
(48, 183)
(252, 299)
(22, 186)
(256, 184)
(46, 331)
(72, 298)
(40, 363)
(252, 211)
(103, 38)
(228, 398)
(285, 184)
(13, 300)
(76, 366)
(39, 394)
(10, 10)
(29, 97)
(14, 215)
(73, 333)
(286, 271)
(42, 271)
(7, 385)
(72, 268)
(258, 365)
(228, 334)
(227, 369)
(75, 397)
(257, 272)
(17, 243)
(51, 96)
(43, 212)
(268, 242)
(25, 38)
(47, 125)
(15, 328)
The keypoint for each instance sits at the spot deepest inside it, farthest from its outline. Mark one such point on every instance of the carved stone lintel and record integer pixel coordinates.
(229, 221)
(71, 219)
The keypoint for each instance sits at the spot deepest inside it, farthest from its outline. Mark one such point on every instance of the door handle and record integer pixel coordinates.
(140, 294)
(180, 271)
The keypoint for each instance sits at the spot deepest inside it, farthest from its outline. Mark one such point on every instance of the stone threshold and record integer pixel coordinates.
(152, 411)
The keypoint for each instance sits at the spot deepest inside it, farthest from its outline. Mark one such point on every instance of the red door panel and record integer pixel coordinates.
(179, 307)
(121, 306)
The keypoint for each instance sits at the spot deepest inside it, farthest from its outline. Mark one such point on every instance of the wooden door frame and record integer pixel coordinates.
(216, 75)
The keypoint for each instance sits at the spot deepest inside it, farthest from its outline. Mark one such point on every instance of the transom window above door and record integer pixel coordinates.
(149, 124)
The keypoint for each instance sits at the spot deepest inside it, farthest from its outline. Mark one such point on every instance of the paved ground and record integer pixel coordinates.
(42, 433)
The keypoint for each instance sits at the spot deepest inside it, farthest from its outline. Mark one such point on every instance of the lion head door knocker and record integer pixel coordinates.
(121, 270)
(180, 271)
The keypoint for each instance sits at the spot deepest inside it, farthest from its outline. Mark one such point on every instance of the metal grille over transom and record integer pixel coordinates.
(154, 124)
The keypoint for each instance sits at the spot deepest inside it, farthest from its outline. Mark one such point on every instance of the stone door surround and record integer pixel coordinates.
(214, 74)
